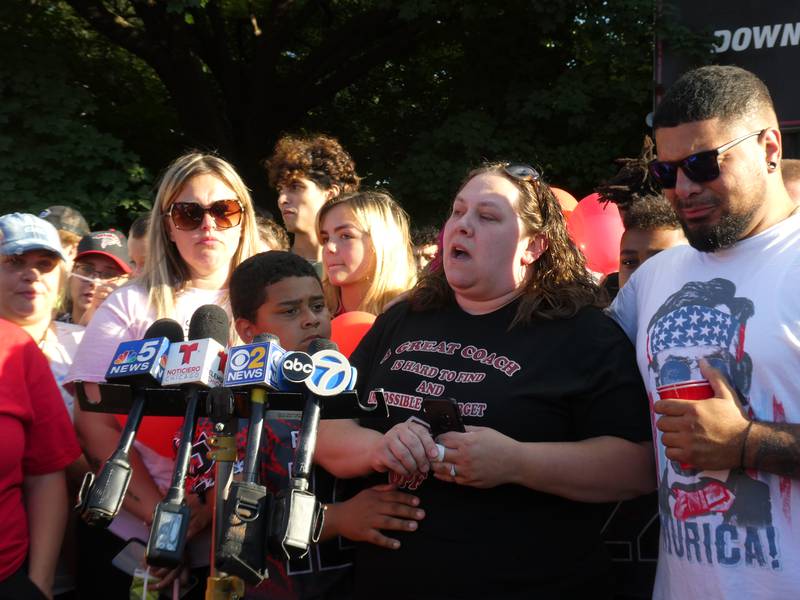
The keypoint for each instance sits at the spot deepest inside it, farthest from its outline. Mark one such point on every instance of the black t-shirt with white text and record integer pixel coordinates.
(548, 381)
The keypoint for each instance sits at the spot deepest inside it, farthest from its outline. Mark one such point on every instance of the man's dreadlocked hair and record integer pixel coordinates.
(633, 181)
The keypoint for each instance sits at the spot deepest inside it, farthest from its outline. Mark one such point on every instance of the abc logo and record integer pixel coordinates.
(297, 366)
(332, 374)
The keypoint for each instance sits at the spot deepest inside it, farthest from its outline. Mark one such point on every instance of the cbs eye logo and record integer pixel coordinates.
(247, 358)
(297, 366)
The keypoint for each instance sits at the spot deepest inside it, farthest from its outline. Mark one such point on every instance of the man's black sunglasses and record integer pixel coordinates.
(700, 167)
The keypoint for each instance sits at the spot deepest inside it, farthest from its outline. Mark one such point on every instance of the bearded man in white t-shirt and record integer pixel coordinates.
(724, 310)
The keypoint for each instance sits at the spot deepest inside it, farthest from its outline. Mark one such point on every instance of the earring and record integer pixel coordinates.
(772, 165)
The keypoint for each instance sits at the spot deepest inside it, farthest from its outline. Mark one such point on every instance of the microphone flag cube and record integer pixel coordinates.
(293, 368)
(139, 362)
(194, 362)
(332, 374)
(254, 364)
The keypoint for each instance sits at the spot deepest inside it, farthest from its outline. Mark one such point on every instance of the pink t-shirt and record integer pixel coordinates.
(125, 316)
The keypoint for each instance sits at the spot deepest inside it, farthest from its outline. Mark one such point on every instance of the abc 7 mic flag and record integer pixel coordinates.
(332, 373)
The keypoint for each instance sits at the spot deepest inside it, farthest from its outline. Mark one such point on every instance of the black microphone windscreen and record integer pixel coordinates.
(265, 338)
(168, 328)
(209, 321)
(321, 344)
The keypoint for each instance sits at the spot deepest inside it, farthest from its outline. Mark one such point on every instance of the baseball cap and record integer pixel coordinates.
(22, 232)
(110, 243)
(66, 218)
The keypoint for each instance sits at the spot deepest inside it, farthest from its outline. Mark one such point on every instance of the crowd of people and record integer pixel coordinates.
(572, 387)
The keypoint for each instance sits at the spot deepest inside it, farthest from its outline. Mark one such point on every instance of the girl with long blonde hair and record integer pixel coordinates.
(367, 252)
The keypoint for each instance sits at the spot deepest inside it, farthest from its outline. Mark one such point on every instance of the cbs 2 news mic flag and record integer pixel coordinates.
(255, 365)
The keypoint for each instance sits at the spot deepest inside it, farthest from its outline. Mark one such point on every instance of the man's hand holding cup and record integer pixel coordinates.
(702, 423)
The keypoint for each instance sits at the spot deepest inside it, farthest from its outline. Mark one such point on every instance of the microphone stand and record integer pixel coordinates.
(220, 408)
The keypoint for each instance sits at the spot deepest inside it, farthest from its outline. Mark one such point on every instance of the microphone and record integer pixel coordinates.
(138, 364)
(298, 516)
(194, 365)
(241, 551)
(254, 364)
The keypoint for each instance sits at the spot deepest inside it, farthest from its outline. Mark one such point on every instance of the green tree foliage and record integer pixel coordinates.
(53, 149)
(418, 91)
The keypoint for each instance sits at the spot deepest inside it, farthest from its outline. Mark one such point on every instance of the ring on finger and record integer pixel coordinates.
(452, 470)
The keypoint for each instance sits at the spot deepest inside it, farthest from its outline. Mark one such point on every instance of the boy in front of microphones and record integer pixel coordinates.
(280, 293)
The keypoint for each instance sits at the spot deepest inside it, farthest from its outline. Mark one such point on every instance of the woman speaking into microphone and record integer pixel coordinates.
(511, 327)
(201, 226)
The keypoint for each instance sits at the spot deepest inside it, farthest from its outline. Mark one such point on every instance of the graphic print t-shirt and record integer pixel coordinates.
(550, 381)
(731, 533)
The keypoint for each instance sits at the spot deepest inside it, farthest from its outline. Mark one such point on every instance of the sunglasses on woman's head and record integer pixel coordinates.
(189, 215)
(521, 172)
(700, 167)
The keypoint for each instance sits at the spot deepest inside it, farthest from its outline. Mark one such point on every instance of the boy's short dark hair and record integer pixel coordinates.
(651, 213)
(139, 227)
(249, 281)
(425, 235)
(724, 92)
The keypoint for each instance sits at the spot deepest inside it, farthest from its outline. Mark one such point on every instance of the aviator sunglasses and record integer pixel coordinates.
(700, 167)
(187, 216)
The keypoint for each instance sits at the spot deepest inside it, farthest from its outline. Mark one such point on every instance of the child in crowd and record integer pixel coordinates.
(366, 252)
(280, 293)
(651, 224)
(307, 172)
(71, 228)
(137, 242)
(101, 265)
(426, 245)
(271, 236)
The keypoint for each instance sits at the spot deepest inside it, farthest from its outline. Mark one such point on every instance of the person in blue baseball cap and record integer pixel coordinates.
(22, 232)
(32, 272)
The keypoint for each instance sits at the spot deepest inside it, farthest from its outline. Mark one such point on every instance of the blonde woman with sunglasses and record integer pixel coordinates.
(366, 252)
(201, 226)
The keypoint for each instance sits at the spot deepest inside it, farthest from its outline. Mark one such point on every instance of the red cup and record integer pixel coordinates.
(698, 389)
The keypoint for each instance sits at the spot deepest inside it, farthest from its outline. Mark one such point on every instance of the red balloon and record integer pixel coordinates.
(565, 199)
(596, 228)
(348, 328)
